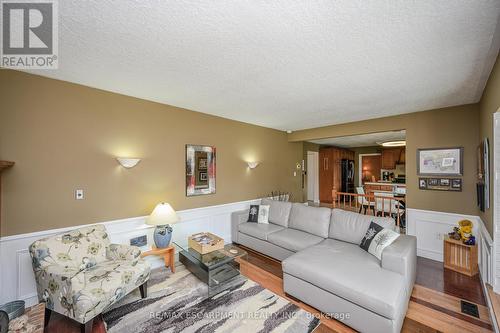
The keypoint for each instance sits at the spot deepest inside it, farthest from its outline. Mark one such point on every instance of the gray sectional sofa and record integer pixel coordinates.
(324, 266)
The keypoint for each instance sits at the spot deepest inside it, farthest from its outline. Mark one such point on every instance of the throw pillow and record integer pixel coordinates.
(259, 214)
(377, 238)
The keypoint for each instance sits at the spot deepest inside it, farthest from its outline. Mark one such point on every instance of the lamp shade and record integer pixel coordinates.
(162, 214)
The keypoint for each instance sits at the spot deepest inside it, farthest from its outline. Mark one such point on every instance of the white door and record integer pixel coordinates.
(312, 176)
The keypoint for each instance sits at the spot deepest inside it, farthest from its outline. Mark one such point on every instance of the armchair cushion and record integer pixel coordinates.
(123, 252)
(94, 289)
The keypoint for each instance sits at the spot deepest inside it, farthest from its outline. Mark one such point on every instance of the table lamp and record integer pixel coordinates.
(162, 216)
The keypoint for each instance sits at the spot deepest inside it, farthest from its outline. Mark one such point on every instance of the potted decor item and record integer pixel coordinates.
(465, 227)
(162, 216)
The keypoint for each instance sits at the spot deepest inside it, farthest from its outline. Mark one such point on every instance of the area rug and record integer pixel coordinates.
(178, 303)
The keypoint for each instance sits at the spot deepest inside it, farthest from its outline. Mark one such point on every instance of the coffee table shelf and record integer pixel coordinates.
(218, 269)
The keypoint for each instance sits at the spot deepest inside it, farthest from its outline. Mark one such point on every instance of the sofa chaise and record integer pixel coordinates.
(324, 266)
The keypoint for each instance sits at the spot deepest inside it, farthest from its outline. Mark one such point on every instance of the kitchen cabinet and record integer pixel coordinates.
(393, 156)
(402, 156)
(330, 171)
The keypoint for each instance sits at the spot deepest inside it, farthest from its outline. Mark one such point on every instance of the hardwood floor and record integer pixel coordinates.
(434, 305)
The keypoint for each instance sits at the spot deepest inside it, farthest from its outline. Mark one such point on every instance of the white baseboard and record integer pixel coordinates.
(16, 274)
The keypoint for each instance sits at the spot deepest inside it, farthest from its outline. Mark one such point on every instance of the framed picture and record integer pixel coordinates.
(440, 161)
(444, 182)
(200, 170)
(422, 183)
(433, 182)
(456, 183)
(440, 184)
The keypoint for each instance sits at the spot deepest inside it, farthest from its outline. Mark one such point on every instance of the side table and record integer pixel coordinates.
(460, 257)
(167, 253)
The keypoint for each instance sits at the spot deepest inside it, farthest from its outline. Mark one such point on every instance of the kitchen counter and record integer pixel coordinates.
(385, 184)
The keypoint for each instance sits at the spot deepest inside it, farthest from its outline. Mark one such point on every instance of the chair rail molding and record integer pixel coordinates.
(17, 278)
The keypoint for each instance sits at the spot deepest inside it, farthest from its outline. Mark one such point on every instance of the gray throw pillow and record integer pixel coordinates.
(259, 214)
(376, 239)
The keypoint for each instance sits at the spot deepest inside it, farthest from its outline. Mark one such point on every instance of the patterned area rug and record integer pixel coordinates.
(177, 303)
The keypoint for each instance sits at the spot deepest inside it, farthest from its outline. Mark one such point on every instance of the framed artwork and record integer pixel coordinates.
(200, 170)
(483, 175)
(456, 183)
(433, 182)
(444, 182)
(422, 183)
(440, 184)
(440, 161)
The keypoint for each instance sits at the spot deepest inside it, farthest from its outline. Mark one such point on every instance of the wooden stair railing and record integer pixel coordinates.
(370, 203)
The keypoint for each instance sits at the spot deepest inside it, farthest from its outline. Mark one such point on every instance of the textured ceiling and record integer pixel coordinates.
(282, 64)
(363, 140)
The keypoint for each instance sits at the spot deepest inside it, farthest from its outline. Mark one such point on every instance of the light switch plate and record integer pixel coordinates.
(79, 194)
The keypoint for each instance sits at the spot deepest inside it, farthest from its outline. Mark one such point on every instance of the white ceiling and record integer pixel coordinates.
(282, 64)
(363, 140)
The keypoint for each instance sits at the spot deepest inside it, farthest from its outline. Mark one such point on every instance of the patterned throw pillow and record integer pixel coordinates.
(377, 238)
(259, 214)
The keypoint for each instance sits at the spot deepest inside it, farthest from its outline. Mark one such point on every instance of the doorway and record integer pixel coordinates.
(370, 166)
(312, 176)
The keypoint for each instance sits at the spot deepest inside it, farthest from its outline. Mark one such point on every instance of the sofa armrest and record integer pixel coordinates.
(123, 252)
(237, 218)
(401, 257)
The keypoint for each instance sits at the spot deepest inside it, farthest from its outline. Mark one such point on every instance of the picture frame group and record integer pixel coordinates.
(440, 184)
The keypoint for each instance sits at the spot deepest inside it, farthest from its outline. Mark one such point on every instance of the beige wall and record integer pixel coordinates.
(490, 103)
(64, 136)
(449, 127)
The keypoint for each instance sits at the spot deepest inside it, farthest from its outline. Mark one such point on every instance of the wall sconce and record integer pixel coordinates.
(253, 165)
(128, 162)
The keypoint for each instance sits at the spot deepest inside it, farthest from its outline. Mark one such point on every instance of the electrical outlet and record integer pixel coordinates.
(440, 236)
(79, 194)
(139, 241)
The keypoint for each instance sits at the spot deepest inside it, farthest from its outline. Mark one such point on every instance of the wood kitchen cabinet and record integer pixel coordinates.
(330, 172)
(393, 156)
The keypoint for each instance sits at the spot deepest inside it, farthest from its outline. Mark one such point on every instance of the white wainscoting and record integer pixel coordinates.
(430, 227)
(16, 274)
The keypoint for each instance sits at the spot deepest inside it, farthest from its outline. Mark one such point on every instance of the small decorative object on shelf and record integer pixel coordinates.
(279, 196)
(205, 242)
(455, 234)
(4, 322)
(463, 233)
(14, 309)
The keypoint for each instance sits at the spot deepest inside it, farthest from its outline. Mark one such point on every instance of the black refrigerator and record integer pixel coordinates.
(347, 179)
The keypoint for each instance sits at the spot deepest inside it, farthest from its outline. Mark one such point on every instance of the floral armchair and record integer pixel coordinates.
(79, 274)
